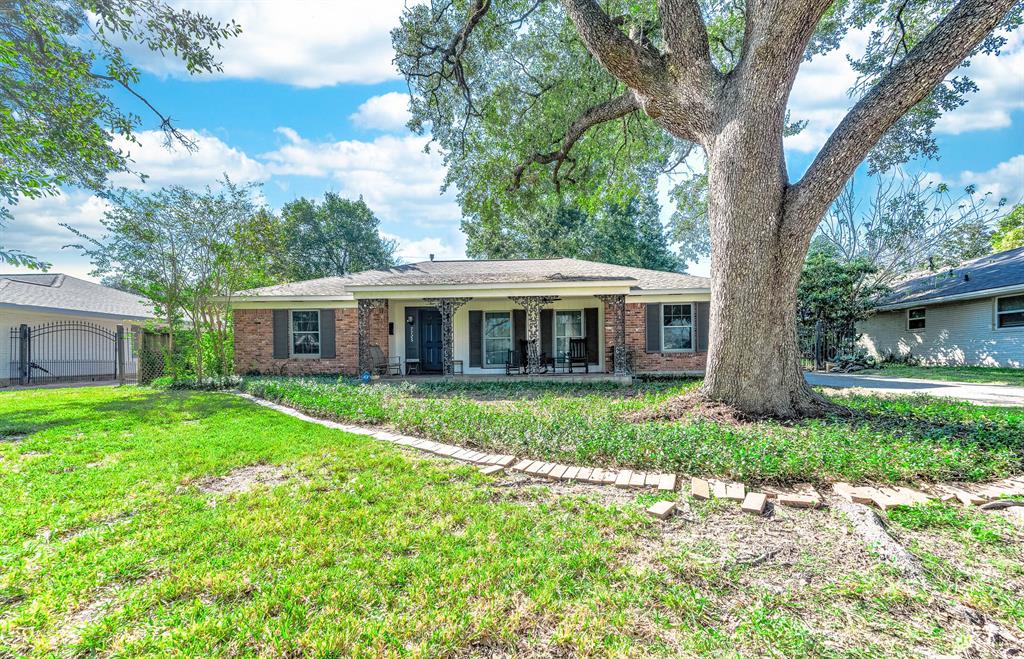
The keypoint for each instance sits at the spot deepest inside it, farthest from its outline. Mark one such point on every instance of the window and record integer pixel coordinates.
(497, 337)
(676, 327)
(305, 333)
(1010, 311)
(568, 325)
(915, 319)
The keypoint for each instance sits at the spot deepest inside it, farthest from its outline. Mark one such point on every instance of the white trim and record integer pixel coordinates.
(554, 327)
(78, 312)
(487, 286)
(906, 324)
(319, 336)
(996, 313)
(973, 295)
(661, 325)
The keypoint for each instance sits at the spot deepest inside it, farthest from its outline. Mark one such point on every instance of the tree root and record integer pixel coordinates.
(994, 639)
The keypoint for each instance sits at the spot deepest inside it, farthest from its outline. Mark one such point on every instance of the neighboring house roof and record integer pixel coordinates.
(66, 294)
(429, 274)
(982, 277)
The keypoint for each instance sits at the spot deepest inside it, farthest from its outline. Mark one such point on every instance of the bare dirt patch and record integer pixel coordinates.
(245, 478)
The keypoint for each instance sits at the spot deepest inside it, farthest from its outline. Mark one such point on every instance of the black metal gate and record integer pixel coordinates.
(824, 342)
(71, 351)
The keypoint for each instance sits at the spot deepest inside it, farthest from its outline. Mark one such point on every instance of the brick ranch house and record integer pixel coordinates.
(448, 317)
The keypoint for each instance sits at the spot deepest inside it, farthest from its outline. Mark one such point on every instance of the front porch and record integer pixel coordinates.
(566, 378)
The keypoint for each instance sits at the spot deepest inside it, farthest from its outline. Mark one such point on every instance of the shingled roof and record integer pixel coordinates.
(976, 278)
(63, 293)
(471, 272)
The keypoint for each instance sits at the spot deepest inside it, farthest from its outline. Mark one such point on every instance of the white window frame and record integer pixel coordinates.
(291, 335)
(996, 313)
(483, 337)
(661, 325)
(554, 329)
(924, 318)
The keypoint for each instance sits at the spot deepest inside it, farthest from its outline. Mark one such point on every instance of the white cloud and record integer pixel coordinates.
(176, 165)
(1000, 91)
(387, 112)
(397, 179)
(410, 251)
(298, 42)
(1005, 180)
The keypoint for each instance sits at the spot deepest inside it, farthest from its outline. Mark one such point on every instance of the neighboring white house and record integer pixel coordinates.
(969, 315)
(71, 326)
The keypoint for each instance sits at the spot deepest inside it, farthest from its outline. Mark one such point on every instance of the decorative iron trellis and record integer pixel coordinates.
(622, 364)
(533, 305)
(365, 307)
(447, 306)
(71, 351)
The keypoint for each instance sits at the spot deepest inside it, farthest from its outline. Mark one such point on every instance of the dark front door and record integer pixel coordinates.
(430, 340)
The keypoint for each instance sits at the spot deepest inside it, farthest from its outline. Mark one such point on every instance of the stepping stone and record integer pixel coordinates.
(897, 497)
(608, 477)
(755, 502)
(584, 474)
(799, 501)
(557, 472)
(718, 489)
(965, 497)
(667, 482)
(534, 468)
(570, 473)
(662, 509)
(862, 495)
(492, 469)
(623, 478)
(700, 488)
(637, 479)
(505, 460)
(651, 480)
(522, 465)
(546, 468)
(735, 492)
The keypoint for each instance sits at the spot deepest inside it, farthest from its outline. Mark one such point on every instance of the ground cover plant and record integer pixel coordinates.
(976, 374)
(887, 440)
(150, 522)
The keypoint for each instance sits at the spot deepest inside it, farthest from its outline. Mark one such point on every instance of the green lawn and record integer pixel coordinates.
(894, 440)
(978, 374)
(109, 546)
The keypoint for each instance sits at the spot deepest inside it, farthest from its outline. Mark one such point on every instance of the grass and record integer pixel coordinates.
(888, 440)
(976, 374)
(110, 546)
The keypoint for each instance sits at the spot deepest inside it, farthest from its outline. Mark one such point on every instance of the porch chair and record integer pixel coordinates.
(578, 354)
(382, 365)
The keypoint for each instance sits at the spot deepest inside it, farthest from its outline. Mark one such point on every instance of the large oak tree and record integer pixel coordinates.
(529, 99)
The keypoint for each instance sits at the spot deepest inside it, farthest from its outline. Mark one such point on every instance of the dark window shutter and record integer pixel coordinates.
(280, 334)
(703, 321)
(327, 349)
(476, 326)
(654, 327)
(592, 331)
(518, 328)
(547, 330)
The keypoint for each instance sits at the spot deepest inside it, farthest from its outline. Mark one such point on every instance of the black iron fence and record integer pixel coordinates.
(822, 343)
(72, 351)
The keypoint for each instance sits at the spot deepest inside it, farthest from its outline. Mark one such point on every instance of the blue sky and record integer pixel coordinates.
(309, 102)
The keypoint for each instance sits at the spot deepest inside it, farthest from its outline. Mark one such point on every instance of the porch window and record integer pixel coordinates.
(305, 327)
(568, 325)
(1010, 311)
(497, 337)
(676, 327)
(916, 318)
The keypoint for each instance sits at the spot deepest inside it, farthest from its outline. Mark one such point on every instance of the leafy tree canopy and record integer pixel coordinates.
(627, 233)
(333, 238)
(836, 291)
(1009, 234)
(59, 62)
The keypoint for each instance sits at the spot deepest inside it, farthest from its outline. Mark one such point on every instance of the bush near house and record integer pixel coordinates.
(886, 440)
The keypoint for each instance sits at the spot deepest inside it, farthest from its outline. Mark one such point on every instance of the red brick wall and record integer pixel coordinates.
(636, 341)
(254, 344)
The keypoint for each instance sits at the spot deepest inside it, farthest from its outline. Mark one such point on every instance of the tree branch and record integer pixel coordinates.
(610, 110)
(686, 35)
(636, 66)
(905, 85)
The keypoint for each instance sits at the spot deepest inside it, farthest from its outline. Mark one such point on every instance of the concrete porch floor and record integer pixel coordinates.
(567, 378)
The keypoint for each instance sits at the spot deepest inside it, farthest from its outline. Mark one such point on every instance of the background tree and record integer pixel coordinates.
(333, 238)
(1009, 234)
(628, 234)
(907, 224)
(60, 60)
(530, 99)
(185, 251)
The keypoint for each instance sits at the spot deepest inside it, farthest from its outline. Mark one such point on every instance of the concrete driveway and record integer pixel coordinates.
(982, 394)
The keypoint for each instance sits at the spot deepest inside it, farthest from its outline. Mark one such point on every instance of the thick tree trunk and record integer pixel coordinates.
(753, 356)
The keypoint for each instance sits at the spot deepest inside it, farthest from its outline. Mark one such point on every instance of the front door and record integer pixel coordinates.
(430, 340)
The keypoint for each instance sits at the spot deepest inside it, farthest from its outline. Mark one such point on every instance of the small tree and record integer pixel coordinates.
(60, 60)
(333, 238)
(837, 292)
(1009, 234)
